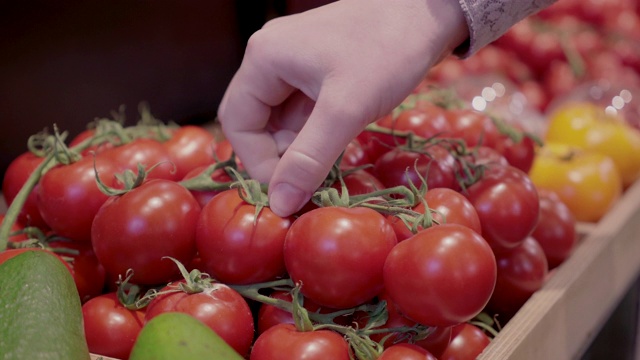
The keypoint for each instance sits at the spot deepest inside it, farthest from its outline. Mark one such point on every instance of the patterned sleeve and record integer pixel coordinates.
(489, 19)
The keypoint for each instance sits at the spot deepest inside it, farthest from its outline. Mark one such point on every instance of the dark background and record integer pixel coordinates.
(69, 62)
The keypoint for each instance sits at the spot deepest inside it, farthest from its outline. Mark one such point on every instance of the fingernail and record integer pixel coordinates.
(285, 199)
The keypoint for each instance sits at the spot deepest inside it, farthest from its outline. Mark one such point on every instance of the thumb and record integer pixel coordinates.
(333, 123)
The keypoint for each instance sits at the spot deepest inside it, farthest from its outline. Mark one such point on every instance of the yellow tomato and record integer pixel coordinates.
(587, 182)
(588, 126)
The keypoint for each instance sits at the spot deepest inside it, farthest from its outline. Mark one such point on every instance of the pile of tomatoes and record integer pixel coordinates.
(427, 236)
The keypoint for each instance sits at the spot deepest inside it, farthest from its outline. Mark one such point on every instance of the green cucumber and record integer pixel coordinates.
(40, 310)
(174, 335)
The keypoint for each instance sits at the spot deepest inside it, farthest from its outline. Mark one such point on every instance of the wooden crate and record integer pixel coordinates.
(561, 320)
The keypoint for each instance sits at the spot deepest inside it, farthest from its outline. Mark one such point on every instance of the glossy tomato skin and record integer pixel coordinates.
(110, 328)
(453, 274)
(15, 177)
(204, 196)
(521, 272)
(402, 166)
(137, 229)
(147, 152)
(88, 274)
(406, 352)
(68, 196)
(189, 147)
(451, 207)
(284, 342)
(474, 127)
(236, 245)
(219, 307)
(507, 203)
(338, 254)
(556, 230)
(354, 155)
(467, 342)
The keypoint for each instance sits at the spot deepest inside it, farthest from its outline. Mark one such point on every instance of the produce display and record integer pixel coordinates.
(434, 227)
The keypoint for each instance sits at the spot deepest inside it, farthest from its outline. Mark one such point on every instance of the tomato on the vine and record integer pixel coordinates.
(556, 230)
(338, 254)
(189, 147)
(467, 342)
(88, 274)
(147, 152)
(285, 342)
(406, 352)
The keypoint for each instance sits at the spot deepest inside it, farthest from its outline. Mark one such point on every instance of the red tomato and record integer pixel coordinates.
(451, 207)
(147, 152)
(452, 275)
(556, 229)
(203, 196)
(14, 179)
(96, 148)
(507, 203)
(219, 307)
(338, 254)
(236, 245)
(521, 272)
(190, 147)
(467, 342)
(354, 155)
(406, 352)
(427, 121)
(88, 274)
(284, 342)
(401, 167)
(137, 229)
(110, 328)
(474, 127)
(519, 154)
(359, 182)
(69, 198)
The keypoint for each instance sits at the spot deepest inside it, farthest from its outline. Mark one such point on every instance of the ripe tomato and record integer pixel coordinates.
(14, 179)
(137, 229)
(556, 229)
(587, 126)
(587, 182)
(190, 147)
(218, 306)
(474, 127)
(203, 196)
(236, 245)
(88, 274)
(507, 203)
(354, 155)
(147, 152)
(338, 254)
(521, 272)
(109, 327)
(452, 275)
(406, 352)
(95, 148)
(519, 154)
(467, 342)
(284, 342)
(68, 196)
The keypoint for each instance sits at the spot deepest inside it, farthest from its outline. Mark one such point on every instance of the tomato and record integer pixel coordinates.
(556, 229)
(354, 155)
(284, 342)
(451, 207)
(218, 306)
(474, 127)
(237, 245)
(519, 154)
(587, 182)
(442, 276)
(109, 327)
(338, 253)
(203, 196)
(137, 229)
(588, 126)
(190, 147)
(147, 152)
(95, 148)
(427, 121)
(68, 196)
(507, 203)
(14, 179)
(521, 272)
(406, 352)
(88, 274)
(402, 166)
(467, 342)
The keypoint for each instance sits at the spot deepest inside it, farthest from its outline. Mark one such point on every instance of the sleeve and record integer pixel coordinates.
(490, 19)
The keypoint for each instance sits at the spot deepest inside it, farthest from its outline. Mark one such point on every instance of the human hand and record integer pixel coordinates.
(310, 83)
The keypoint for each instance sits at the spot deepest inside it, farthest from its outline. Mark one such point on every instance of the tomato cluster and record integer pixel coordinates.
(429, 220)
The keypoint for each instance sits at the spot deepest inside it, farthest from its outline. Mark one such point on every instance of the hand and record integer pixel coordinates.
(309, 83)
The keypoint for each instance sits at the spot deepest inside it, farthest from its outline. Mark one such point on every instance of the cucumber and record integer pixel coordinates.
(175, 335)
(40, 310)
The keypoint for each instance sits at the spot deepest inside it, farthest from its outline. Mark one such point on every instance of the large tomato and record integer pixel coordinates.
(68, 196)
(146, 152)
(442, 276)
(137, 229)
(203, 196)
(587, 182)
(588, 126)
(14, 179)
(467, 342)
(109, 327)
(284, 342)
(238, 245)
(507, 203)
(218, 306)
(406, 352)
(338, 254)
(189, 147)
(474, 127)
(556, 229)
